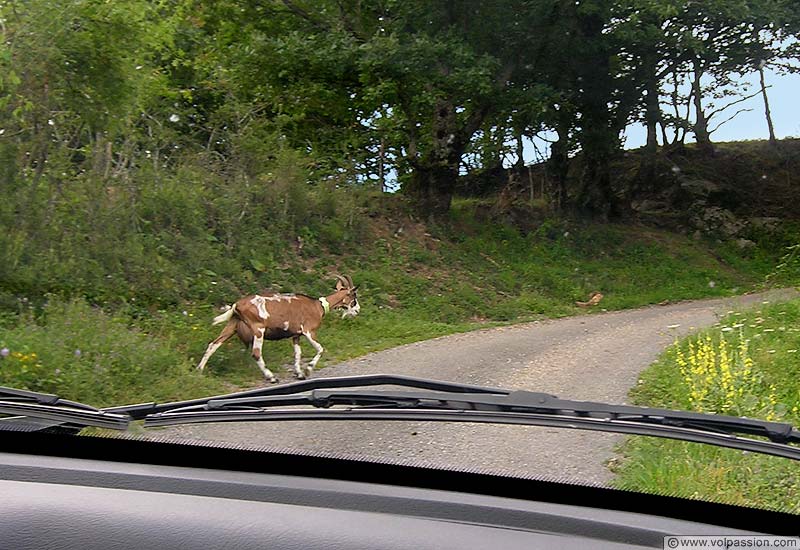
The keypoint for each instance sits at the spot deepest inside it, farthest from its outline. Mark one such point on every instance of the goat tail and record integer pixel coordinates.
(225, 317)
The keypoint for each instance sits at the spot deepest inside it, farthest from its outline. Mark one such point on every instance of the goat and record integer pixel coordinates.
(274, 316)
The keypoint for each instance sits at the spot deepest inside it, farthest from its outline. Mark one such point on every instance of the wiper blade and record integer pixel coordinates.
(69, 415)
(26, 396)
(462, 403)
(45, 406)
(142, 410)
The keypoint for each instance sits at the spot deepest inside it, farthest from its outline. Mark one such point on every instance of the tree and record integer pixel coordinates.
(434, 73)
(450, 69)
(722, 39)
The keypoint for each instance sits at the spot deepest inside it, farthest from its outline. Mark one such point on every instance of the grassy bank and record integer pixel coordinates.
(416, 282)
(749, 365)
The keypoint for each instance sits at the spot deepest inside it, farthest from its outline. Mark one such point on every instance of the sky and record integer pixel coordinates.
(784, 102)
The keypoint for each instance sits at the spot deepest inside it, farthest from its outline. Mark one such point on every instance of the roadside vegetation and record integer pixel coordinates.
(747, 365)
(135, 332)
(159, 160)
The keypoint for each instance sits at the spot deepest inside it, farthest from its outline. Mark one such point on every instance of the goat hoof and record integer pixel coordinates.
(300, 376)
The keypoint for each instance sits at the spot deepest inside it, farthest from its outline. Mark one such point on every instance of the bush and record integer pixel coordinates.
(80, 352)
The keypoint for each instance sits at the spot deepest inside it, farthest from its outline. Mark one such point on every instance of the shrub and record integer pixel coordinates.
(80, 352)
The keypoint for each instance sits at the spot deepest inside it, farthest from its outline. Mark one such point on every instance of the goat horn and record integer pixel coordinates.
(349, 281)
(342, 280)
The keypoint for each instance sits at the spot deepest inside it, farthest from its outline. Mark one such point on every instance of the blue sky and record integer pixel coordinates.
(784, 102)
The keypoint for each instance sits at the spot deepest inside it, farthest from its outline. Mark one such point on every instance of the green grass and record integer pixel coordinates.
(693, 470)
(701, 471)
(83, 353)
(422, 283)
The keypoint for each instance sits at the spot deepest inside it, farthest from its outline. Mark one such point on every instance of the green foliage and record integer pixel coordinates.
(157, 157)
(704, 472)
(86, 354)
(118, 90)
(789, 267)
(700, 471)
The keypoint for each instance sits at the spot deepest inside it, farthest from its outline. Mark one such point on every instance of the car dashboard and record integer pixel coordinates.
(82, 492)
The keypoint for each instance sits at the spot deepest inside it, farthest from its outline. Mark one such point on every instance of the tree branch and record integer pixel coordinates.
(784, 66)
(538, 135)
(300, 12)
(358, 34)
(734, 115)
(505, 73)
(732, 103)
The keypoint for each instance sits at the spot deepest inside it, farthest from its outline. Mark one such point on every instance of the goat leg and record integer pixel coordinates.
(227, 332)
(311, 337)
(258, 342)
(298, 371)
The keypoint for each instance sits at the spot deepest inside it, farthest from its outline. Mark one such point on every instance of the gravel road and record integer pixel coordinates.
(594, 357)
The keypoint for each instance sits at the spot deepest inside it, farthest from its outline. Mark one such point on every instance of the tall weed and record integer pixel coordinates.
(82, 353)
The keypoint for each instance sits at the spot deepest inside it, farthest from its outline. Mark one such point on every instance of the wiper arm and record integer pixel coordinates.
(26, 396)
(50, 407)
(455, 402)
(142, 410)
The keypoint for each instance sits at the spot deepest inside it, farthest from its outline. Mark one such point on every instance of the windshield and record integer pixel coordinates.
(595, 200)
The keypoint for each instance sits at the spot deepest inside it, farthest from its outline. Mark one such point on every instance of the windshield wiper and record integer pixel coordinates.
(44, 406)
(142, 410)
(339, 399)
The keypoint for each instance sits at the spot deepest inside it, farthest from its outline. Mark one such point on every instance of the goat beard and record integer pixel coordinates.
(349, 313)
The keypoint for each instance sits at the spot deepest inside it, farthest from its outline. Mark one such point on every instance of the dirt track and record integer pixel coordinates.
(593, 357)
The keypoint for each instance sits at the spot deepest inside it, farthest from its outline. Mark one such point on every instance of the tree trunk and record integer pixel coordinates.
(596, 198)
(652, 113)
(520, 164)
(701, 123)
(433, 180)
(664, 137)
(558, 166)
(767, 113)
(432, 186)
(381, 165)
(598, 137)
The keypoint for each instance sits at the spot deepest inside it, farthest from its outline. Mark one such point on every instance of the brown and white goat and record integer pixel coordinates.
(273, 316)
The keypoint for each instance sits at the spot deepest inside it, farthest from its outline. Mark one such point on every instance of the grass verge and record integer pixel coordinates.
(760, 348)
(416, 282)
